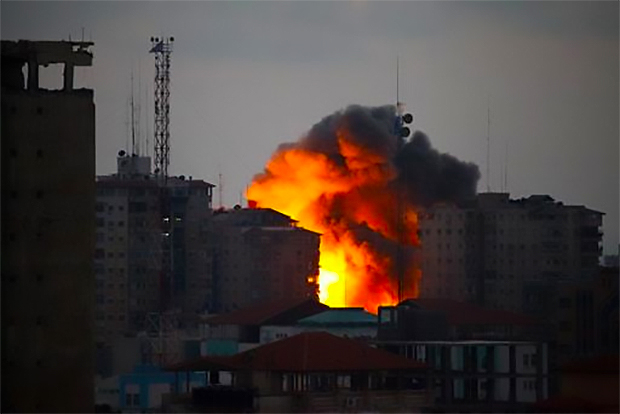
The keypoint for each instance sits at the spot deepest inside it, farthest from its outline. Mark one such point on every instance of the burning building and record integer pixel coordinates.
(355, 181)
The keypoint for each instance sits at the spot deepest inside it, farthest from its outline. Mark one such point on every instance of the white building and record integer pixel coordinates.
(497, 374)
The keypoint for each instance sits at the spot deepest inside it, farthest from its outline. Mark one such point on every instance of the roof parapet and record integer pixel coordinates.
(15, 54)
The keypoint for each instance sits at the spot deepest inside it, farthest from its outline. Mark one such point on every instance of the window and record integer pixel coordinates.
(526, 360)
(99, 253)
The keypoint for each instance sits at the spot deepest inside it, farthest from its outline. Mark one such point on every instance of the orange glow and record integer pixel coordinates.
(354, 205)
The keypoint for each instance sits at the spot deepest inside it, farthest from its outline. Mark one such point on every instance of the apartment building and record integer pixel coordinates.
(48, 199)
(587, 314)
(507, 254)
(262, 255)
(153, 247)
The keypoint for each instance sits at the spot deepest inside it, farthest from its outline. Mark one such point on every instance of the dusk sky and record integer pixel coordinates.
(247, 76)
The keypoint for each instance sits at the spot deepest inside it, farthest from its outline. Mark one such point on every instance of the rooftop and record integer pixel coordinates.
(284, 311)
(341, 316)
(464, 313)
(309, 351)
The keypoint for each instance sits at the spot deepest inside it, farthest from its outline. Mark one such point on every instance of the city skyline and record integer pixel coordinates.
(247, 77)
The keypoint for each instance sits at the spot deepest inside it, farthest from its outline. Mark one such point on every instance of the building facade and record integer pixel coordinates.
(261, 255)
(153, 247)
(587, 315)
(507, 254)
(48, 199)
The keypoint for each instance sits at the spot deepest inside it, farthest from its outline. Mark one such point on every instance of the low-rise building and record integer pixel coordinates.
(237, 331)
(354, 323)
(320, 372)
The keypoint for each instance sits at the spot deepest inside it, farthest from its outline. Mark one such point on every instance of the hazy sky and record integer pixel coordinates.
(247, 76)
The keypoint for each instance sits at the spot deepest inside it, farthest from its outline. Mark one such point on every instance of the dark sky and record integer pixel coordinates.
(247, 76)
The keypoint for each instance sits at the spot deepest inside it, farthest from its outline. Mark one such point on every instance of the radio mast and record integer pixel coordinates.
(162, 48)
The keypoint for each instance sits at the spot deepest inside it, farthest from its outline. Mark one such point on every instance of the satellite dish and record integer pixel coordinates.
(407, 118)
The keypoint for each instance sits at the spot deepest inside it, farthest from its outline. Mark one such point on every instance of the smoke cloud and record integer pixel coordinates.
(353, 180)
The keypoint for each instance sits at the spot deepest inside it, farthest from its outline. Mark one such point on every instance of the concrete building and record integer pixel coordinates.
(153, 247)
(240, 330)
(312, 372)
(587, 315)
(507, 254)
(48, 203)
(587, 385)
(447, 319)
(479, 375)
(261, 255)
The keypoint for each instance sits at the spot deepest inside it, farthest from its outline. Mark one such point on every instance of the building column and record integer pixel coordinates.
(68, 76)
(33, 74)
(512, 372)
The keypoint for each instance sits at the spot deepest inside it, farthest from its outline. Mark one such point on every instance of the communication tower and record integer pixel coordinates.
(162, 48)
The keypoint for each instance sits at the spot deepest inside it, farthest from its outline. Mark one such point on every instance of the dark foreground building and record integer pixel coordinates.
(48, 204)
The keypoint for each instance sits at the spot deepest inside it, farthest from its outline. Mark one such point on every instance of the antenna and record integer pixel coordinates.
(139, 111)
(133, 120)
(220, 187)
(488, 144)
(397, 82)
(162, 48)
(506, 169)
(127, 127)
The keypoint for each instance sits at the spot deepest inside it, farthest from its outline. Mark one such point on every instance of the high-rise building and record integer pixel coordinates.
(261, 255)
(48, 200)
(153, 247)
(507, 254)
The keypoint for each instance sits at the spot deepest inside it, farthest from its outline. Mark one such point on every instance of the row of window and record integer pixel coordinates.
(101, 254)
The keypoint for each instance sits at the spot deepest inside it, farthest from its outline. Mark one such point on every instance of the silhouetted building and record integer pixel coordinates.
(240, 330)
(481, 360)
(261, 255)
(507, 254)
(587, 315)
(316, 372)
(48, 203)
(587, 385)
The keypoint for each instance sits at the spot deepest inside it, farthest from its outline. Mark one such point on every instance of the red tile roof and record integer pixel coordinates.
(309, 351)
(271, 312)
(464, 313)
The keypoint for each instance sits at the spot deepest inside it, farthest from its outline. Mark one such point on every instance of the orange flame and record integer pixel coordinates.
(340, 200)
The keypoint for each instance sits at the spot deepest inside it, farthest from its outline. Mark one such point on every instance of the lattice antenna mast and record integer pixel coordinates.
(162, 48)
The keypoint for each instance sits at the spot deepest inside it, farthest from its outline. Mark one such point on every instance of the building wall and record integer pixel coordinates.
(153, 250)
(460, 359)
(507, 254)
(587, 316)
(263, 259)
(48, 197)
